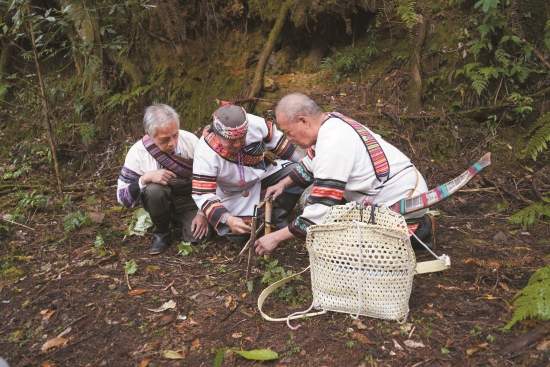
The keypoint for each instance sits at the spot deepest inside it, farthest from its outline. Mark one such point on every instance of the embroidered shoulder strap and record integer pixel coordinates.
(180, 166)
(377, 155)
(253, 155)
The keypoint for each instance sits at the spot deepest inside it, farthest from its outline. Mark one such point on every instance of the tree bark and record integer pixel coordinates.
(46, 108)
(415, 91)
(268, 49)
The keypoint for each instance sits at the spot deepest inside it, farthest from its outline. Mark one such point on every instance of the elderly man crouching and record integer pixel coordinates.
(346, 162)
(157, 173)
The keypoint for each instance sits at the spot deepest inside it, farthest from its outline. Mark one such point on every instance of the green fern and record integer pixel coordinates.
(540, 138)
(76, 220)
(533, 301)
(527, 216)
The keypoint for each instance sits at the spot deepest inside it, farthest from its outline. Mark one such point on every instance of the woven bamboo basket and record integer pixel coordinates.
(362, 262)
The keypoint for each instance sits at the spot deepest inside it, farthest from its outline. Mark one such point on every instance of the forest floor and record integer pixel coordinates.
(65, 300)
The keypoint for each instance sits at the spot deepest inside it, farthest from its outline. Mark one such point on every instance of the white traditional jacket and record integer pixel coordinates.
(217, 174)
(351, 162)
(139, 161)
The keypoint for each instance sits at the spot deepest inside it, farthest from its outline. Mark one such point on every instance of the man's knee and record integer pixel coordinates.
(156, 198)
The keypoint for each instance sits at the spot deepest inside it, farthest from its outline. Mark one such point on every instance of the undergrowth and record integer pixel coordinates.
(533, 301)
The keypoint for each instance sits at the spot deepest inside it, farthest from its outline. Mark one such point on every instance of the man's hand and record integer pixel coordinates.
(278, 189)
(264, 245)
(269, 242)
(237, 225)
(274, 191)
(160, 176)
(199, 227)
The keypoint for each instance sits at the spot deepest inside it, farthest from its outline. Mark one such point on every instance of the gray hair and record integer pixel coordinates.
(296, 104)
(159, 115)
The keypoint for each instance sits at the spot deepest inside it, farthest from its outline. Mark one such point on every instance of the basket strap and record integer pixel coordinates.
(266, 292)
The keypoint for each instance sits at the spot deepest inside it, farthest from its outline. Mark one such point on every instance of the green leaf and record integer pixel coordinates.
(184, 248)
(141, 221)
(218, 360)
(171, 354)
(258, 354)
(130, 267)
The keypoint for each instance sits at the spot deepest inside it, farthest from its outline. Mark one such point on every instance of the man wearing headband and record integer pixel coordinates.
(345, 162)
(157, 173)
(231, 170)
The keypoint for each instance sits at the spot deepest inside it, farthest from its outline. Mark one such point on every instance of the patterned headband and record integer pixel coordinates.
(230, 132)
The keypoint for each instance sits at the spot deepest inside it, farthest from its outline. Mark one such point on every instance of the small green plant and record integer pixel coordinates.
(99, 247)
(250, 286)
(76, 220)
(273, 273)
(350, 344)
(533, 301)
(444, 351)
(184, 248)
(491, 338)
(476, 330)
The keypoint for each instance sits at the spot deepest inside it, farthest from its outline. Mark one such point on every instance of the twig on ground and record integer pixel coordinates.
(19, 224)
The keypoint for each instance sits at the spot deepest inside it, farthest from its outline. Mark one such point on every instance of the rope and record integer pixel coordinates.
(440, 258)
(360, 283)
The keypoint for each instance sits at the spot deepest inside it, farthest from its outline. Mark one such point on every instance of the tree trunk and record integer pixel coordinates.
(268, 49)
(86, 23)
(5, 58)
(46, 109)
(415, 90)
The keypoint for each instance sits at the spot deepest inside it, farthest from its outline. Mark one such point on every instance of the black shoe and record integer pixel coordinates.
(162, 240)
(425, 232)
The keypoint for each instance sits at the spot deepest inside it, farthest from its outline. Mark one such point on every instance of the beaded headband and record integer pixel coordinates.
(230, 132)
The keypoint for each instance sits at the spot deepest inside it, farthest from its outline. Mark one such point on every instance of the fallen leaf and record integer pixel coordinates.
(396, 345)
(97, 217)
(358, 324)
(171, 354)
(195, 343)
(237, 335)
(258, 354)
(230, 302)
(64, 332)
(544, 345)
(474, 349)
(136, 292)
(362, 338)
(413, 344)
(151, 346)
(48, 364)
(165, 306)
(174, 291)
(48, 315)
(193, 322)
(166, 319)
(144, 363)
(218, 360)
(53, 343)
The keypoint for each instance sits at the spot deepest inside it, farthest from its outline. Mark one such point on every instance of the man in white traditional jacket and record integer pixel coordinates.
(157, 173)
(231, 169)
(345, 162)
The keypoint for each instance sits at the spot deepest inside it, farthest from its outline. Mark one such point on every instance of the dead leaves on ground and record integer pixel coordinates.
(53, 344)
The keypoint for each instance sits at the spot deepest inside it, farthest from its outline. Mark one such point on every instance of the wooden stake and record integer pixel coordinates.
(268, 210)
(251, 247)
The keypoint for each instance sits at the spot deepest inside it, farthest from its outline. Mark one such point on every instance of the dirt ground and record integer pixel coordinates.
(70, 291)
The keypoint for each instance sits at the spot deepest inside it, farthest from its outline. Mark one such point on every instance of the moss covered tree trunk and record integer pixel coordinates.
(415, 90)
(268, 49)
